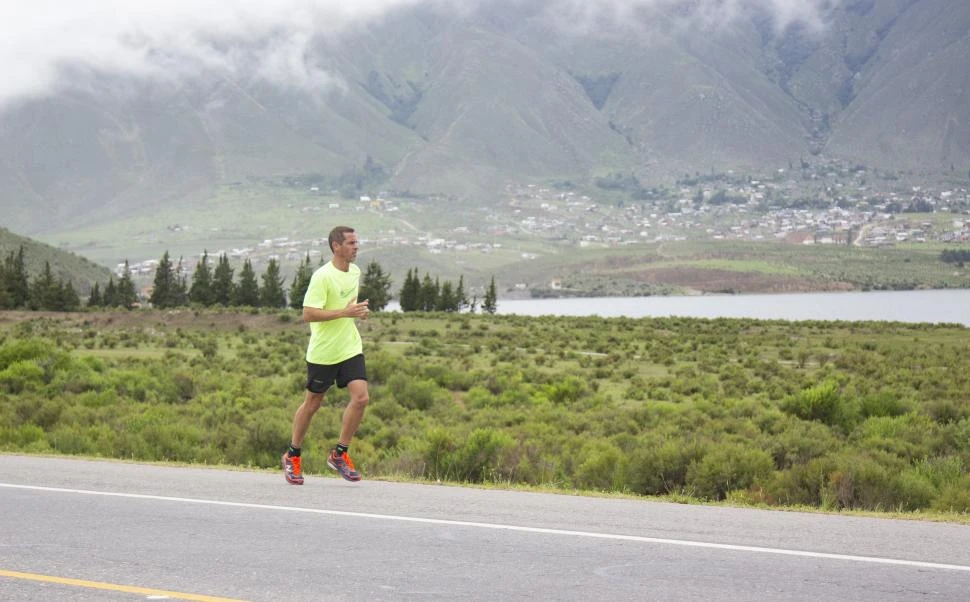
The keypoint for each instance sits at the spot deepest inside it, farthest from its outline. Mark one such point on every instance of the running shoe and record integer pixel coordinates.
(343, 465)
(292, 470)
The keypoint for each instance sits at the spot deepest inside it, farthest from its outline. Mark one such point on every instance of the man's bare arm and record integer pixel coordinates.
(353, 310)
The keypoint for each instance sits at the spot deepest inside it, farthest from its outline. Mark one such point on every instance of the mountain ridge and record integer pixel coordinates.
(463, 103)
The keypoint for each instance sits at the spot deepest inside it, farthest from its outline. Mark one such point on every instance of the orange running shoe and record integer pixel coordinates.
(292, 470)
(343, 465)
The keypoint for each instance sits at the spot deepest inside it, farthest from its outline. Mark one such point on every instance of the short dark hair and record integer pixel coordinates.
(337, 235)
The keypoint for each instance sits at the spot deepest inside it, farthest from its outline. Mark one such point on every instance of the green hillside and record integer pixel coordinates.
(460, 104)
(67, 267)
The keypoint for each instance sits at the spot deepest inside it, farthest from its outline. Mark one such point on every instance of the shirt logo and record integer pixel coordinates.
(345, 293)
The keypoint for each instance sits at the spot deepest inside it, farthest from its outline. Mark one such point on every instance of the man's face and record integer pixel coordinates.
(347, 250)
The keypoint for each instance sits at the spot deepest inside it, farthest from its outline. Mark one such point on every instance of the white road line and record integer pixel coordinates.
(500, 527)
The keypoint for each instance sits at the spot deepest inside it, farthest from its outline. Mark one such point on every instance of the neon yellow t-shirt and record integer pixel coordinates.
(333, 341)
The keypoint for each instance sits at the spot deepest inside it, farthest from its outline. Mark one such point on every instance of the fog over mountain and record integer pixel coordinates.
(109, 108)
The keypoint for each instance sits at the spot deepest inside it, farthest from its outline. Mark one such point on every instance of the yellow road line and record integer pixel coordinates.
(128, 589)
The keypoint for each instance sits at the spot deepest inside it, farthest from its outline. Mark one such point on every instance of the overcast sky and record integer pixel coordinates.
(41, 40)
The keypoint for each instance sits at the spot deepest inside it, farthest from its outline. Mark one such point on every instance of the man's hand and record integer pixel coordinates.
(358, 310)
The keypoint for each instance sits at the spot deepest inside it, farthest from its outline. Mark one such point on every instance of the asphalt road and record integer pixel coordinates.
(89, 530)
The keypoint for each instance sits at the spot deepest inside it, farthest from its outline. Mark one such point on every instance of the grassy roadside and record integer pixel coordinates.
(817, 416)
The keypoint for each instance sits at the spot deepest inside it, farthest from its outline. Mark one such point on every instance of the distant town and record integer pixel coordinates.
(833, 203)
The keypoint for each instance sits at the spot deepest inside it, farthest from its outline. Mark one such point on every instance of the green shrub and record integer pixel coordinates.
(802, 484)
(862, 481)
(477, 459)
(727, 467)
(885, 403)
(954, 497)
(659, 466)
(24, 350)
(20, 376)
(480, 397)
(438, 449)
(564, 391)
(21, 437)
(794, 441)
(911, 436)
(941, 472)
(824, 403)
(415, 393)
(601, 467)
(912, 491)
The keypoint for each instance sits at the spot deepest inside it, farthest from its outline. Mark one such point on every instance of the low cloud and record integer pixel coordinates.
(46, 43)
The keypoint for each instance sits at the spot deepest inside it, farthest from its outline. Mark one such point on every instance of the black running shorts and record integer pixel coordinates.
(320, 377)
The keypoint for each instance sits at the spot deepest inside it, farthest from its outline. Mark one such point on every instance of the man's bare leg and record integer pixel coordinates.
(304, 414)
(354, 412)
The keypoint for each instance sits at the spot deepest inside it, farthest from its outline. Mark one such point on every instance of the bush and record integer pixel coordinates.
(660, 466)
(802, 484)
(823, 403)
(793, 441)
(862, 481)
(911, 436)
(20, 376)
(727, 467)
(477, 460)
(415, 393)
(912, 491)
(601, 468)
(954, 498)
(18, 351)
(941, 472)
(884, 404)
(438, 451)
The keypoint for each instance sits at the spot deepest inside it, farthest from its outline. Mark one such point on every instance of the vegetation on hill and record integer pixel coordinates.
(65, 267)
(859, 415)
(461, 103)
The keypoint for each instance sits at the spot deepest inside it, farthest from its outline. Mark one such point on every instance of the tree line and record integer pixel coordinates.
(211, 286)
(45, 292)
(217, 286)
(958, 256)
(425, 294)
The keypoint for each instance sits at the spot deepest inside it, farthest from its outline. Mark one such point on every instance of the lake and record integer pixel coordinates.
(935, 306)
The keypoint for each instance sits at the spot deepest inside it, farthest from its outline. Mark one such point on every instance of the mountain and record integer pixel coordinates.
(432, 100)
(66, 267)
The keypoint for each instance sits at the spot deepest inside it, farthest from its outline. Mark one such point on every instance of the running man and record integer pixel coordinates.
(334, 355)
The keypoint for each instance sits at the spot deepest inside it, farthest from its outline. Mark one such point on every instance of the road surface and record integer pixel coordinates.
(103, 530)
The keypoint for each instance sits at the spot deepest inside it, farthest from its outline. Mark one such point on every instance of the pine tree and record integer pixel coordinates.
(21, 285)
(181, 289)
(301, 282)
(375, 286)
(247, 293)
(163, 293)
(66, 298)
(126, 296)
(490, 304)
(271, 292)
(6, 301)
(44, 290)
(446, 298)
(110, 297)
(428, 296)
(201, 290)
(410, 292)
(14, 283)
(222, 285)
(461, 297)
(94, 299)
